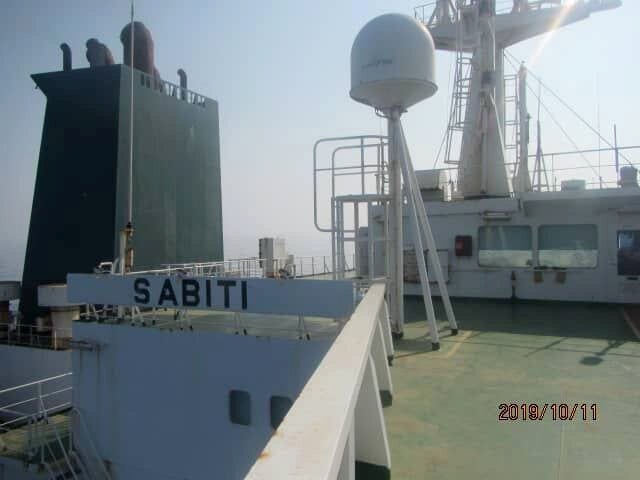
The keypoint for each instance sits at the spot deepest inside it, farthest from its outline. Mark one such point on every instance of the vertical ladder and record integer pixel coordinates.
(459, 102)
(461, 94)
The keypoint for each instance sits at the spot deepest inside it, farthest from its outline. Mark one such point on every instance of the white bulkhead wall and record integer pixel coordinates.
(599, 284)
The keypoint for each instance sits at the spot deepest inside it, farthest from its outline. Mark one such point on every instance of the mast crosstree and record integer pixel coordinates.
(479, 34)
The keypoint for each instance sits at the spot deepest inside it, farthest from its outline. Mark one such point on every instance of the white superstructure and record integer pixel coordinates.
(575, 245)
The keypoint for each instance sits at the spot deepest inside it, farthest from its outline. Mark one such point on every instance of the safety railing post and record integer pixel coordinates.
(41, 408)
(39, 441)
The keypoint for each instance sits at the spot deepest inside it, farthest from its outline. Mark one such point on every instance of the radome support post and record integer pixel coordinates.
(396, 241)
(429, 240)
(392, 69)
(416, 233)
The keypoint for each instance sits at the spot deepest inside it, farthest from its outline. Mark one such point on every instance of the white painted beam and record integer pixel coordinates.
(381, 363)
(372, 446)
(348, 464)
(385, 322)
(313, 298)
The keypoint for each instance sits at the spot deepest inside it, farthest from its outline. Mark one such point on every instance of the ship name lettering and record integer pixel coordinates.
(192, 293)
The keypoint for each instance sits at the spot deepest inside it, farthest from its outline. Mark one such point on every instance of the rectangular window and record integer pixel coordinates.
(629, 252)
(568, 246)
(505, 246)
(279, 407)
(240, 407)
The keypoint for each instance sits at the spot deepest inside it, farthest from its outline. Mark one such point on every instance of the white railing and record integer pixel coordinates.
(319, 265)
(429, 14)
(62, 446)
(254, 267)
(32, 404)
(599, 166)
(436, 12)
(241, 267)
(599, 169)
(171, 90)
(42, 397)
(84, 451)
(337, 419)
(366, 167)
(35, 336)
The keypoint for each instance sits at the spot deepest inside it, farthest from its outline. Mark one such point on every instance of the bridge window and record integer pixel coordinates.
(629, 252)
(505, 246)
(279, 408)
(240, 407)
(565, 246)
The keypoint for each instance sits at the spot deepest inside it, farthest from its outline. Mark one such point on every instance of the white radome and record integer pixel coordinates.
(392, 63)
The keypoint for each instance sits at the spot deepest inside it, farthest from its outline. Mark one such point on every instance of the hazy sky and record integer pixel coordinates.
(280, 72)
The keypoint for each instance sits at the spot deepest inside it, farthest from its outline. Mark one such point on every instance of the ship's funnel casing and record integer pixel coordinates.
(82, 184)
(392, 63)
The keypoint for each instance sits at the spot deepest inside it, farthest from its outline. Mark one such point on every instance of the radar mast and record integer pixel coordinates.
(478, 33)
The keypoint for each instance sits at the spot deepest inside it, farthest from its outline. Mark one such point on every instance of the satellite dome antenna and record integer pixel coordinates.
(392, 69)
(392, 63)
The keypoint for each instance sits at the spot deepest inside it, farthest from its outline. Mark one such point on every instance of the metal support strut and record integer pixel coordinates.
(421, 231)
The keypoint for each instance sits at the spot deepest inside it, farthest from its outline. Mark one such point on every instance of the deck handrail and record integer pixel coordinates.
(299, 266)
(337, 419)
(427, 12)
(31, 403)
(89, 457)
(30, 384)
(170, 89)
(14, 333)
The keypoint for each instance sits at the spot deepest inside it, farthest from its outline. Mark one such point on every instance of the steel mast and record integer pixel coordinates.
(475, 27)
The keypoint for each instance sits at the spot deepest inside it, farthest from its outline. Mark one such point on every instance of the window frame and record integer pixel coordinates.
(276, 402)
(241, 395)
(571, 267)
(531, 239)
(618, 232)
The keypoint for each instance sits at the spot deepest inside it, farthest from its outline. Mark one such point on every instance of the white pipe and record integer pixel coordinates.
(316, 170)
(131, 53)
(340, 240)
(356, 244)
(333, 237)
(396, 245)
(370, 233)
(417, 242)
(430, 241)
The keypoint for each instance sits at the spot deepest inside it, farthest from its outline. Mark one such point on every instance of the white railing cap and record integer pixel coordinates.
(311, 439)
